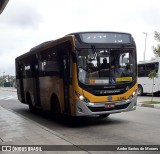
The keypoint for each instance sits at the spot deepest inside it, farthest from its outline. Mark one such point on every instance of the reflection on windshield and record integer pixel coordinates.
(104, 66)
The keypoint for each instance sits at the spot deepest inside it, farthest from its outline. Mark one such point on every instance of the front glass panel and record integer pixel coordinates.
(106, 66)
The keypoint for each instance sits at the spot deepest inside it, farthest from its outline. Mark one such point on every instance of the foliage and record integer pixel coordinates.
(157, 36)
(156, 50)
(152, 75)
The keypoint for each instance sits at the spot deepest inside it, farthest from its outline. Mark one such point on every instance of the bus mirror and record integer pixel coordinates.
(74, 59)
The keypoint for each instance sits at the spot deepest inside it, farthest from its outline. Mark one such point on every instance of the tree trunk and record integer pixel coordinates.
(152, 90)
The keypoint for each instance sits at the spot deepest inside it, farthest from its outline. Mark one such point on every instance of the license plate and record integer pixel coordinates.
(109, 105)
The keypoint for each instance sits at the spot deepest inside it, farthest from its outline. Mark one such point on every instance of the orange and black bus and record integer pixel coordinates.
(80, 74)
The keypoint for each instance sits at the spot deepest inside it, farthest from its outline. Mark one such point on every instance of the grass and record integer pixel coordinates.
(150, 102)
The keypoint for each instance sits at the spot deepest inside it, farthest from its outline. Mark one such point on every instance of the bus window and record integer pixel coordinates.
(48, 62)
(141, 71)
(150, 67)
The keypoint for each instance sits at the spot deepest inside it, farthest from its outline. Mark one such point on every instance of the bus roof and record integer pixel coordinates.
(52, 43)
(98, 32)
(44, 46)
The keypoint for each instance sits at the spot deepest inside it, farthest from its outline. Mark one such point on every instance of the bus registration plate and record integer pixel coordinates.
(109, 105)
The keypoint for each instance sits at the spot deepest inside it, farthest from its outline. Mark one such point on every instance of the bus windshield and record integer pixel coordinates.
(106, 66)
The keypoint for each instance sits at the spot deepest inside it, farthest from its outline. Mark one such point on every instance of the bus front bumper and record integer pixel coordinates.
(89, 108)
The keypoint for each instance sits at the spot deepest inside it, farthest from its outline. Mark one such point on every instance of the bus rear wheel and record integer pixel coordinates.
(29, 101)
(140, 90)
(55, 107)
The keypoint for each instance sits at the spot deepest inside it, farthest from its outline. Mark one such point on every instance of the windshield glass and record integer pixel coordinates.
(106, 66)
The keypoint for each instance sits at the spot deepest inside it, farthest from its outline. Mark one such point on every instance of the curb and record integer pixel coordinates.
(156, 106)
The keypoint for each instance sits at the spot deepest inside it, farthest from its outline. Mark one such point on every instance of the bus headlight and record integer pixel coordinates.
(133, 95)
(81, 97)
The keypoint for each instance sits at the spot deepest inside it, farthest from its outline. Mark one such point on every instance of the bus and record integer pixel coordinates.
(80, 74)
(145, 84)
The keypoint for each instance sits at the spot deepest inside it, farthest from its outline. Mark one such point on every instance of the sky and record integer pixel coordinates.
(27, 23)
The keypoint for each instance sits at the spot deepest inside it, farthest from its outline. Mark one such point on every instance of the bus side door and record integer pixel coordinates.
(66, 68)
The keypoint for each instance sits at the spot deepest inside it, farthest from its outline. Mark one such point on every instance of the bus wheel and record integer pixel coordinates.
(55, 108)
(103, 115)
(29, 101)
(140, 90)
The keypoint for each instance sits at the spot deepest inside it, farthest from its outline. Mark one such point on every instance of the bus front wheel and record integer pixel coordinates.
(103, 115)
(140, 90)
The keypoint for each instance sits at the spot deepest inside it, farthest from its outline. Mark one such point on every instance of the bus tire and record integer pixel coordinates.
(29, 101)
(140, 90)
(55, 107)
(103, 115)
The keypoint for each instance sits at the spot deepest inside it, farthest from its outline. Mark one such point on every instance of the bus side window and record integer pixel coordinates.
(151, 67)
(141, 71)
(156, 67)
(48, 61)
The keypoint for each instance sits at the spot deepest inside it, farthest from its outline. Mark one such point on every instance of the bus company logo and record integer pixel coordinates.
(112, 91)
(109, 98)
(108, 87)
(6, 148)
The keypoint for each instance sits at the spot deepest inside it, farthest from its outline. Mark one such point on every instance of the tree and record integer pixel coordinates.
(156, 50)
(152, 75)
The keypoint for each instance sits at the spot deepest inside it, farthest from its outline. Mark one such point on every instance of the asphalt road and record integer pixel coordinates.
(140, 127)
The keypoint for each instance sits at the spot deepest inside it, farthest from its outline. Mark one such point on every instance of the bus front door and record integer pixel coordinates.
(66, 79)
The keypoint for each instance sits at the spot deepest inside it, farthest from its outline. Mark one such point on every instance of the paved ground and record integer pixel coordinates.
(17, 130)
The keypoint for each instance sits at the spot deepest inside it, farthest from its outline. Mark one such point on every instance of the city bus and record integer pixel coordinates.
(145, 84)
(80, 74)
